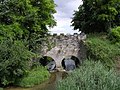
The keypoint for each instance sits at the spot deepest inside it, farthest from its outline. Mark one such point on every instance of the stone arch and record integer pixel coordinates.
(45, 60)
(74, 58)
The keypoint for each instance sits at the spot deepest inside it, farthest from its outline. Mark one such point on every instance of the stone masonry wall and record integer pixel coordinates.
(65, 46)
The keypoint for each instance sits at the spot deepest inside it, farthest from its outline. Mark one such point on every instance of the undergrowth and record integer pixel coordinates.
(101, 49)
(91, 76)
(34, 77)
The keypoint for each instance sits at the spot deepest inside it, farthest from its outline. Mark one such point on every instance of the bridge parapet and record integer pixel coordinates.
(68, 37)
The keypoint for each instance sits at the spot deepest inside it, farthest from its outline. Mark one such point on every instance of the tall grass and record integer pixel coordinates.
(34, 77)
(91, 76)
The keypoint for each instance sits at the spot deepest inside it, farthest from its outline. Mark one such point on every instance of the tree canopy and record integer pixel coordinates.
(97, 15)
(23, 27)
(26, 19)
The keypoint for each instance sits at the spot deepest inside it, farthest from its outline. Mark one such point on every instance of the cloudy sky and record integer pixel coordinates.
(65, 10)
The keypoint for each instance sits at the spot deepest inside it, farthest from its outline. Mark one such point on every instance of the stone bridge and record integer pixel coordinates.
(65, 46)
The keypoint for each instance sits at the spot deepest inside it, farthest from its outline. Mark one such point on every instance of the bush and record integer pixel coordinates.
(102, 49)
(114, 35)
(34, 77)
(13, 61)
(91, 76)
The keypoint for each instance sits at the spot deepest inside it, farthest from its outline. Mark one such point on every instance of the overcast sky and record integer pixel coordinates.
(65, 10)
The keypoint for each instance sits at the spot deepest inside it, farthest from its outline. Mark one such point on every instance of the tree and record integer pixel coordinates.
(97, 15)
(14, 59)
(26, 19)
(23, 27)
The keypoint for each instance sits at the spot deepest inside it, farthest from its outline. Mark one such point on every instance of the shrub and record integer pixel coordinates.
(34, 77)
(91, 76)
(13, 61)
(102, 49)
(114, 35)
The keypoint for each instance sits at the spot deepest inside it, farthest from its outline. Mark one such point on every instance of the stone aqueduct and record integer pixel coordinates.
(65, 46)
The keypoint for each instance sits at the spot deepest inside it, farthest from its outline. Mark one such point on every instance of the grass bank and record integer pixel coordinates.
(34, 77)
(91, 76)
(99, 48)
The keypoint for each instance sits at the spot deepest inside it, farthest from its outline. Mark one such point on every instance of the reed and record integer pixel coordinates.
(91, 76)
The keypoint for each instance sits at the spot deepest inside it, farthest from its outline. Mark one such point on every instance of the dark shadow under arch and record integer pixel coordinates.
(63, 63)
(77, 61)
(45, 60)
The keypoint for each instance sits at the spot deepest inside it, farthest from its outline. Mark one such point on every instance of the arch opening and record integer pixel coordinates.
(70, 63)
(48, 62)
(45, 60)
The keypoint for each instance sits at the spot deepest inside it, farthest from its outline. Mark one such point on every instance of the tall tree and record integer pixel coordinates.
(97, 15)
(23, 26)
(26, 19)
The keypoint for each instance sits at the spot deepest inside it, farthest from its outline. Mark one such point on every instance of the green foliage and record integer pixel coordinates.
(101, 49)
(91, 76)
(97, 15)
(23, 28)
(13, 31)
(27, 20)
(13, 61)
(114, 35)
(34, 77)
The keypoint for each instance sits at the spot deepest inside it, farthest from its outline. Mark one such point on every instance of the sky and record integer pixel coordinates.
(63, 17)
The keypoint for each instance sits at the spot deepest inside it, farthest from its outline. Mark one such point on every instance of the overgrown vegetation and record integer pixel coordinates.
(13, 61)
(97, 16)
(23, 29)
(114, 35)
(34, 77)
(91, 76)
(99, 48)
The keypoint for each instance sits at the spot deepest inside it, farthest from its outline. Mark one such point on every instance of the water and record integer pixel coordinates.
(47, 85)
